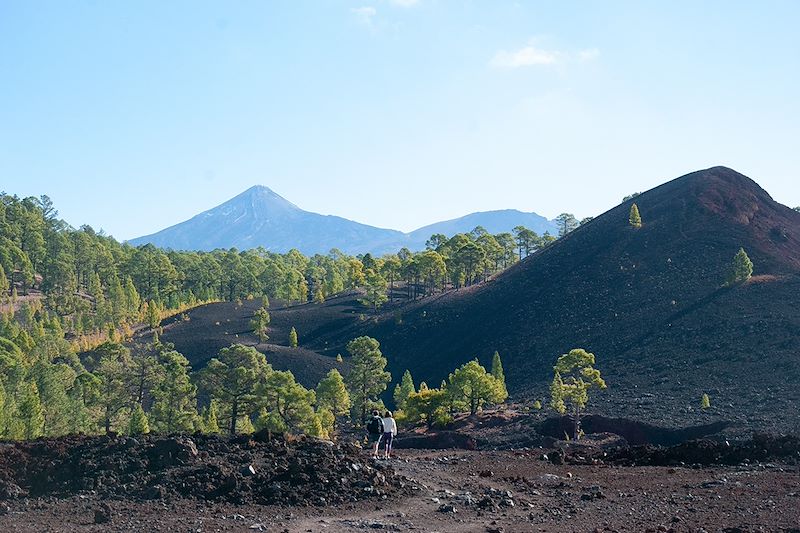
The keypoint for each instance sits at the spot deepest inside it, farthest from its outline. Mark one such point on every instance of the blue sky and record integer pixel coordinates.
(134, 116)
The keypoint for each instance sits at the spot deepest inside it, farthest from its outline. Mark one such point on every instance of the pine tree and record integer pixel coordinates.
(634, 218)
(282, 394)
(245, 426)
(84, 395)
(319, 296)
(260, 324)
(368, 377)
(112, 374)
(138, 424)
(209, 417)
(497, 371)
(271, 421)
(428, 405)
(30, 412)
(705, 402)
(375, 287)
(4, 284)
(52, 381)
(403, 390)
(327, 422)
(232, 378)
(566, 222)
(293, 338)
(132, 299)
(332, 395)
(174, 398)
(471, 386)
(4, 414)
(153, 315)
(742, 268)
(573, 390)
(95, 290)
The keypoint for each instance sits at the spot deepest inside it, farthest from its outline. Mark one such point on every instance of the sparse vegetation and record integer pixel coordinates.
(368, 377)
(574, 376)
(498, 374)
(741, 268)
(403, 390)
(566, 223)
(332, 395)
(260, 324)
(630, 196)
(471, 386)
(634, 218)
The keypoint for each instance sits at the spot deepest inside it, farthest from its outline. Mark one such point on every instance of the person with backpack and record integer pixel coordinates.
(389, 432)
(375, 431)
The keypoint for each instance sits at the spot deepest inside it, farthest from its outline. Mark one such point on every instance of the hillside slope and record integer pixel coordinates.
(648, 302)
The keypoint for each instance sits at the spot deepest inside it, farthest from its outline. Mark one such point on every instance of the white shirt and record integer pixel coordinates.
(389, 426)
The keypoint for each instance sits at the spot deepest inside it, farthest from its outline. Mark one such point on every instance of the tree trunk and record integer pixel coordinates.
(234, 416)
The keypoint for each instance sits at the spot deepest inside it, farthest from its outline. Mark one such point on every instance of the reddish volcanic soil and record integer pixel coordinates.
(480, 488)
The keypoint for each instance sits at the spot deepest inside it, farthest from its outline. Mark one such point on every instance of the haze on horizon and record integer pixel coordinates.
(394, 113)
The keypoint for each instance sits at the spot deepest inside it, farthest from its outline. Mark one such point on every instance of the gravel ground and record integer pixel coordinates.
(472, 491)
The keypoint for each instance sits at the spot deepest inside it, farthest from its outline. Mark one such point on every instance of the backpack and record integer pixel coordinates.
(375, 426)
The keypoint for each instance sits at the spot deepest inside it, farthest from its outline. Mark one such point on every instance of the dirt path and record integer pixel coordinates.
(480, 492)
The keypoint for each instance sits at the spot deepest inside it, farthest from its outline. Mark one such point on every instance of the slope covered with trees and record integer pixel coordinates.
(70, 298)
(653, 300)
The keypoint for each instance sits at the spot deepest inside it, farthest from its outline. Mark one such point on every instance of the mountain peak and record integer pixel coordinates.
(262, 197)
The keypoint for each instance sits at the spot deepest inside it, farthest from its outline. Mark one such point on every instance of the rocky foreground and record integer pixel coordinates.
(254, 483)
(249, 469)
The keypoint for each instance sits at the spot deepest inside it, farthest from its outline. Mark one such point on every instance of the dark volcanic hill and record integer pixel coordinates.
(649, 302)
(260, 217)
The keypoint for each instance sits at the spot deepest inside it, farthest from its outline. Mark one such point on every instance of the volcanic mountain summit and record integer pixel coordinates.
(261, 217)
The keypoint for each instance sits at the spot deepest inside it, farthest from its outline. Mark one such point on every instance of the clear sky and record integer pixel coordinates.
(134, 116)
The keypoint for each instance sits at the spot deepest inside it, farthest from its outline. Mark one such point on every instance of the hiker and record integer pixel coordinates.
(375, 430)
(389, 432)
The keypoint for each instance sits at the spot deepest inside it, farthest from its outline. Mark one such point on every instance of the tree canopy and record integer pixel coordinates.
(368, 377)
(574, 376)
(741, 268)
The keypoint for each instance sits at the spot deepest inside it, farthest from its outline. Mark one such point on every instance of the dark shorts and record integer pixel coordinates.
(374, 437)
(388, 438)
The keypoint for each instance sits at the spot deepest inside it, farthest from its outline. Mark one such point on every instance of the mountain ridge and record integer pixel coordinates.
(259, 216)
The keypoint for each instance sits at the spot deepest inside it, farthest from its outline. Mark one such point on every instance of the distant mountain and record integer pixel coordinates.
(492, 221)
(260, 217)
